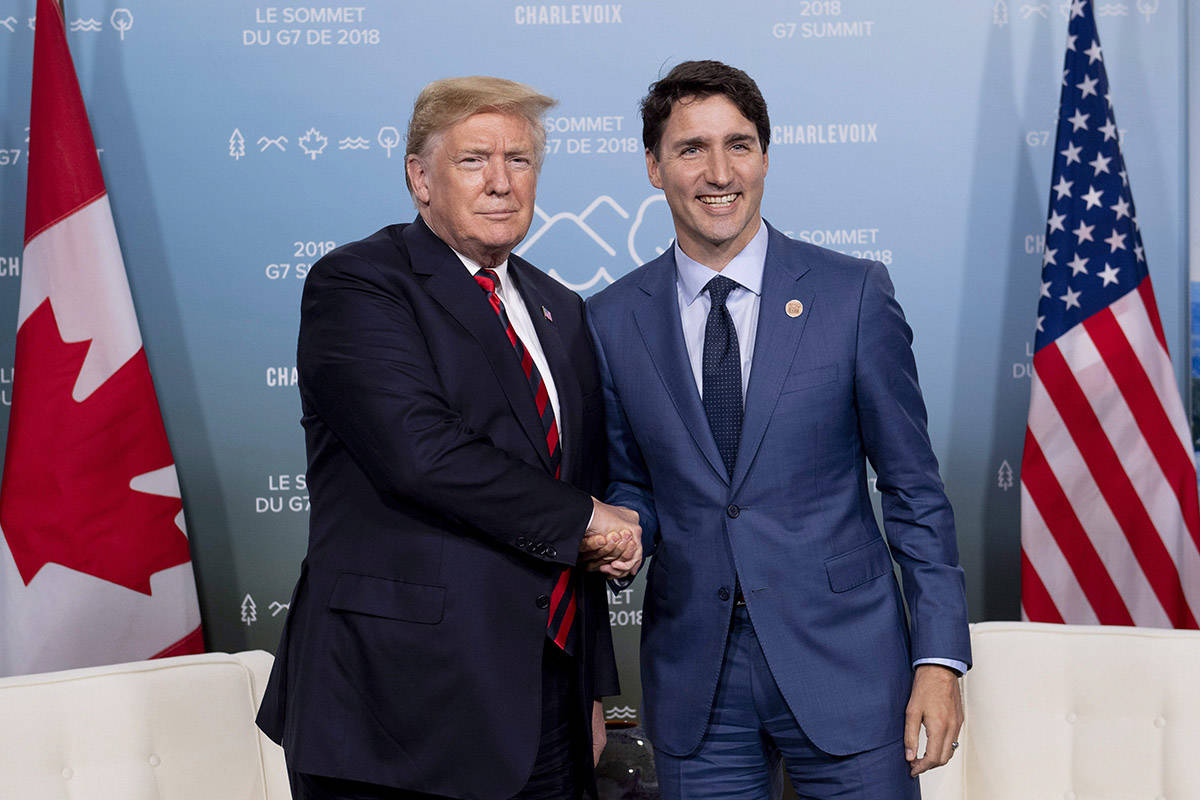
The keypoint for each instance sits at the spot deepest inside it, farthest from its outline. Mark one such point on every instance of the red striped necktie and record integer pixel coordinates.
(559, 625)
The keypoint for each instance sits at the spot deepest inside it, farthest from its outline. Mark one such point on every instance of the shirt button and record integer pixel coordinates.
(543, 601)
(733, 512)
(723, 593)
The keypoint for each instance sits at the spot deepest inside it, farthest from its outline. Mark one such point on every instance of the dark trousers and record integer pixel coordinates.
(562, 741)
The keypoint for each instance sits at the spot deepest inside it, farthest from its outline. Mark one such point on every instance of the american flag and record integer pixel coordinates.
(1110, 526)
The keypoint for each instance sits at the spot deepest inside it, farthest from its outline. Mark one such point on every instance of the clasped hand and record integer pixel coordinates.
(613, 542)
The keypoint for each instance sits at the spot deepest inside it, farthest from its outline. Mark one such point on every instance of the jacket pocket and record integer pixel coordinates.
(809, 378)
(858, 566)
(391, 599)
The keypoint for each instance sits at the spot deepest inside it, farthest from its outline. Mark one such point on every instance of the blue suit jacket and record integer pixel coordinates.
(829, 389)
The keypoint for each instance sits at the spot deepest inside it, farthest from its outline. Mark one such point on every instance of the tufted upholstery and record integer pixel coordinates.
(1054, 712)
(172, 729)
(1074, 712)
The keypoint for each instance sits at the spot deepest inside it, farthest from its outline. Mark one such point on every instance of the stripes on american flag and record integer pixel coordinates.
(1110, 523)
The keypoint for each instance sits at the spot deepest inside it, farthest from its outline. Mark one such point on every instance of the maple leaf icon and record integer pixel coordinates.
(312, 143)
(69, 501)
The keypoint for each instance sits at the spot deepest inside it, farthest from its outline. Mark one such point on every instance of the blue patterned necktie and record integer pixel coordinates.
(722, 372)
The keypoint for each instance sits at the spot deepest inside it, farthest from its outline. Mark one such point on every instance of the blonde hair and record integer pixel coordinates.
(444, 103)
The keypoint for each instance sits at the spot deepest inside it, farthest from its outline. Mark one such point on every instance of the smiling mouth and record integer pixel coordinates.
(719, 200)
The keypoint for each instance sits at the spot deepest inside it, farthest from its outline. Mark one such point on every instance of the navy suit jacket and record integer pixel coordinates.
(411, 656)
(829, 390)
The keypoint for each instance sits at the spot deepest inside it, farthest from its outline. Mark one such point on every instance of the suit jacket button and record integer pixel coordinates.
(543, 601)
(733, 512)
(723, 593)
(550, 552)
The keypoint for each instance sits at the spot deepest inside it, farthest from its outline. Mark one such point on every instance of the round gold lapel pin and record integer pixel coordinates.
(794, 308)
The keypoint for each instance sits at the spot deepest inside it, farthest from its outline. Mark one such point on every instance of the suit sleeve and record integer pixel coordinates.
(628, 479)
(368, 374)
(918, 520)
(605, 680)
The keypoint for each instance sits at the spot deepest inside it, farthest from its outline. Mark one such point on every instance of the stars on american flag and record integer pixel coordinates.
(1107, 458)
(1093, 252)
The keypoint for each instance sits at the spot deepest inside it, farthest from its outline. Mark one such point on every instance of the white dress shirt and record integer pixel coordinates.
(746, 269)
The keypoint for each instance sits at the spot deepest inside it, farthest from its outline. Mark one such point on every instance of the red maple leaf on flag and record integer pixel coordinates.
(69, 501)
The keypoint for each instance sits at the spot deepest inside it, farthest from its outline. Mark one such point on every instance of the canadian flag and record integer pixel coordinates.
(94, 559)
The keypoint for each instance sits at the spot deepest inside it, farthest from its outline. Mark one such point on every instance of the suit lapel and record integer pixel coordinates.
(566, 385)
(774, 346)
(451, 285)
(662, 330)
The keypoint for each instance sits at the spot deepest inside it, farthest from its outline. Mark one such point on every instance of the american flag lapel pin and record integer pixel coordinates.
(546, 314)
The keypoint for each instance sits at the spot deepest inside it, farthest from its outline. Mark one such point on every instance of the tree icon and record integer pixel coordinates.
(388, 138)
(237, 145)
(1000, 13)
(1004, 479)
(249, 610)
(312, 143)
(122, 20)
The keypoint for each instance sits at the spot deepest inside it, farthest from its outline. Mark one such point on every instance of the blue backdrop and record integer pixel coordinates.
(242, 141)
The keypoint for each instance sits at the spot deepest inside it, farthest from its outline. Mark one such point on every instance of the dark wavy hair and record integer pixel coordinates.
(701, 79)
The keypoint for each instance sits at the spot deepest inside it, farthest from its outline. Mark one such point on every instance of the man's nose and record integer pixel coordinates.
(718, 170)
(495, 177)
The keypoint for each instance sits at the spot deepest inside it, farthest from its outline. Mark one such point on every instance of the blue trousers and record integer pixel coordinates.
(751, 731)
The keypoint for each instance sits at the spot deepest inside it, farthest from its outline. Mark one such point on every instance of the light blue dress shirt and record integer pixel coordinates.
(746, 269)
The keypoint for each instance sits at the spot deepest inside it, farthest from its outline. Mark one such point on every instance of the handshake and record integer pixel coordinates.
(613, 542)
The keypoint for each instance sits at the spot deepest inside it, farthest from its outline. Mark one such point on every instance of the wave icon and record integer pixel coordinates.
(85, 24)
(355, 143)
(621, 712)
(601, 275)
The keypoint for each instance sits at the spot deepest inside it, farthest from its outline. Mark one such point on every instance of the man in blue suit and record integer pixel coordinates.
(748, 378)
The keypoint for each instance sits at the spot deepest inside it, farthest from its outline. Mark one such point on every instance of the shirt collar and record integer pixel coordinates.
(473, 267)
(746, 268)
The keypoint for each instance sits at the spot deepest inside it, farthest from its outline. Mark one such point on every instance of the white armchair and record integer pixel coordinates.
(173, 729)
(1075, 712)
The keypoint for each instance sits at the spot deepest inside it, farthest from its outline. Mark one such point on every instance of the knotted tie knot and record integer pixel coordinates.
(487, 279)
(719, 289)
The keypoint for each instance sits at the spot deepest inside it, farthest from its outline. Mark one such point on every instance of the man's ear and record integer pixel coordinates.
(418, 177)
(652, 170)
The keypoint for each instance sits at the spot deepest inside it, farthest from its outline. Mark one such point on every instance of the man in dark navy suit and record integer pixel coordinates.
(749, 378)
(449, 634)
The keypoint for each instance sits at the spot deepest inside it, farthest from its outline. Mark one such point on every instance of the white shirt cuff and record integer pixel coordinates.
(958, 666)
